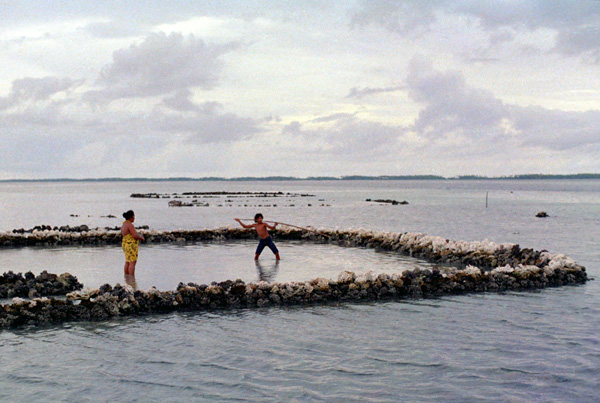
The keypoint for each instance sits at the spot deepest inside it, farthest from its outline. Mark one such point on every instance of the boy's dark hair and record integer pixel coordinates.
(128, 214)
(257, 216)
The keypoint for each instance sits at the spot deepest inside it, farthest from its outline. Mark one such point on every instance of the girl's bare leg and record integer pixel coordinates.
(126, 268)
(130, 280)
(132, 268)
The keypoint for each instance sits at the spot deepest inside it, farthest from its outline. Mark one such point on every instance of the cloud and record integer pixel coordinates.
(451, 107)
(529, 14)
(458, 128)
(333, 117)
(180, 101)
(201, 124)
(459, 118)
(554, 129)
(574, 27)
(311, 95)
(37, 89)
(65, 138)
(160, 65)
(584, 41)
(345, 135)
(410, 18)
(359, 93)
(90, 155)
(113, 29)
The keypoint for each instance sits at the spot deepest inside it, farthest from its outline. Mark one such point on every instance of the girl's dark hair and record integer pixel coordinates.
(256, 217)
(128, 214)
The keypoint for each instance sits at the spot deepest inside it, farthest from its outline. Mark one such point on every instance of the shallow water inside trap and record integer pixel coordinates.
(166, 265)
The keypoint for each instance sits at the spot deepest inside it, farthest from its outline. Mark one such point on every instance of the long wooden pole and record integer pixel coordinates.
(288, 225)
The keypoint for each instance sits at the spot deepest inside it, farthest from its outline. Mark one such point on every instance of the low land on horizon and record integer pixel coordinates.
(322, 178)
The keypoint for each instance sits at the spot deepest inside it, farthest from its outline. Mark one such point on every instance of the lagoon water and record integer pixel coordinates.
(515, 346)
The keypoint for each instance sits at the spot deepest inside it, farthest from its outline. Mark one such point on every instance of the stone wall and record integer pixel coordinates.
(479, 267)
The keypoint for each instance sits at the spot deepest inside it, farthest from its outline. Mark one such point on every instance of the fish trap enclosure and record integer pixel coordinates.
(466, 267)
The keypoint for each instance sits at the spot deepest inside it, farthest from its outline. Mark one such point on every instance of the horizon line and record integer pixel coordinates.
(313, 178)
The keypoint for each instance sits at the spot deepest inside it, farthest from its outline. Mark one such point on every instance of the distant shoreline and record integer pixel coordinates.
(315, 178)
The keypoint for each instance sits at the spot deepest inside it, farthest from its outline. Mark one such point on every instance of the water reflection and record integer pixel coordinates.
(267, 272)
(130, 280)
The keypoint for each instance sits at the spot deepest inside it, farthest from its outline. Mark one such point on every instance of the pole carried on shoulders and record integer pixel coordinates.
(289, 225)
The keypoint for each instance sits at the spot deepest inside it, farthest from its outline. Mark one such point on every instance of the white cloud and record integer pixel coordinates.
(189, 88)
(575, 26)
(159, 65)
(404, 17)
(451, 106)
(37, 89)
(459, 128)
(557, 130)
(180, 101)
(356, 92)
(109, 29)
(204, 123)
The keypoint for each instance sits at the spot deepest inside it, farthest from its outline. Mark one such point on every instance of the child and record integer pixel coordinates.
(263, 233)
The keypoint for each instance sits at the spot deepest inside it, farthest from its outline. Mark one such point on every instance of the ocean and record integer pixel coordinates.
(513, 346)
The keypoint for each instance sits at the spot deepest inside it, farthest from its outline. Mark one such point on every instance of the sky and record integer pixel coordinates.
(298, 88)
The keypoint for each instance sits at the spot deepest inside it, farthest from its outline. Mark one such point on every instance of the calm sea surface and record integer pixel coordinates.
(517, 347)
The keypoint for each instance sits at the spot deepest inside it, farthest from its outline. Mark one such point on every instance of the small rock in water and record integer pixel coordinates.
(388, 201)
(542, 214)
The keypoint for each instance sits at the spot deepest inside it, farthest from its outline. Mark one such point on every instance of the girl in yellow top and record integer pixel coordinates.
(130, 242)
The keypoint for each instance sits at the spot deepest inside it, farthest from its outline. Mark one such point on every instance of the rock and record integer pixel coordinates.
(542, 214)
(388, 201)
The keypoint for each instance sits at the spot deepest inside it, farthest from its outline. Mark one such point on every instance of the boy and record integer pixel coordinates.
(263, 233)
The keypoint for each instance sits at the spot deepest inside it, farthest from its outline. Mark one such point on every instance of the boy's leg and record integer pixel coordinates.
(259, 249)
(274, 249)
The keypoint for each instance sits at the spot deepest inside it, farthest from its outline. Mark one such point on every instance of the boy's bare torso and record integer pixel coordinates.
(261, 230)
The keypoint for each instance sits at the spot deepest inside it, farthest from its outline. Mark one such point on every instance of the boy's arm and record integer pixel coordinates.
(244, 225)
(271, 226)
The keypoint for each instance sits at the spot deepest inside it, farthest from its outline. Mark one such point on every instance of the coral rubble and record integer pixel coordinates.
(480, 267)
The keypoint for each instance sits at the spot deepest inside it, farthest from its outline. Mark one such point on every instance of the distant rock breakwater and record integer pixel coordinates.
(485, 266)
